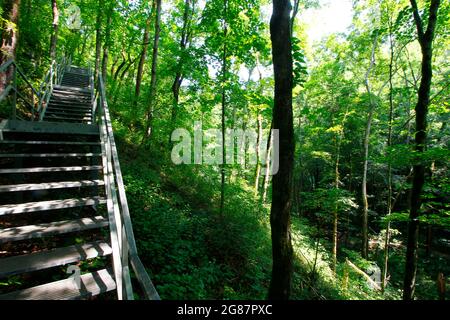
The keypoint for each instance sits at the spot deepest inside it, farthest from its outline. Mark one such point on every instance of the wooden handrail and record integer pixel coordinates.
(122, 225)
(53, 76)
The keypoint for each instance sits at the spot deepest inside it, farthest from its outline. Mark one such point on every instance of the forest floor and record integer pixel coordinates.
(192, 252)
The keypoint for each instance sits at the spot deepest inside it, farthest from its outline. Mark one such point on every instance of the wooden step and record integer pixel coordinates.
(69, 109)
(52, 258)
(54, 117)
(69, 104)
(92, 284)
(49, 127)
(50, 169)
(81, 143)
(65, 112)
(51, 185)
(70, 89)
(70, 97)
(49, 229)
(47, 155)
(50, 205)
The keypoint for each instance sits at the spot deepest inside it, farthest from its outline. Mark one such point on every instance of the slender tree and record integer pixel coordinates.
(185, 37)
(108, 42)
(224, 104)
(426, 38)
(143, 57)
(389, 144)
(280, 215)
(151, 102)
(54, 38)
(372, 104)
(98, 36)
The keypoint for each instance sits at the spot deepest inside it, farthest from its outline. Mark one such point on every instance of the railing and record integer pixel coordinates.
(52, 78)
(37, 100)
(122, 237)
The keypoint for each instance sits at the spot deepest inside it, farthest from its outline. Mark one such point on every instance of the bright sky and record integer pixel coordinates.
(332, 16)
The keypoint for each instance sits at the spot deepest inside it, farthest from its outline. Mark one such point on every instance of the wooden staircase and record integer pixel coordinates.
(62, 202)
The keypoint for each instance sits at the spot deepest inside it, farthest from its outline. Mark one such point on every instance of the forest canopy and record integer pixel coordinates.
(358, 207)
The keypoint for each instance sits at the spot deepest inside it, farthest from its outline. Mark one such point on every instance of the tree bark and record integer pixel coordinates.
(426, 43)
(10, 37)
(54, 38)
(280, 214)
(140, 71)
(151, 102)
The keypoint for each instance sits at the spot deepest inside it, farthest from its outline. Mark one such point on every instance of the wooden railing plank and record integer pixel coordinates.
(139, 269)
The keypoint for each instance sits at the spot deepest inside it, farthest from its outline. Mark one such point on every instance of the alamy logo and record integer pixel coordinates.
(241, 147)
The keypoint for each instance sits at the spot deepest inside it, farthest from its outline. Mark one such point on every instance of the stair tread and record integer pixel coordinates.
(51, 169)
(68, 118)
(92, 283)
(52, 228)
(70, 88)
(49, 205)
(50, 142)
(69, 112)
(70, 106)
(48, 127)
(45, 155)
(50, 185)
(52, 258)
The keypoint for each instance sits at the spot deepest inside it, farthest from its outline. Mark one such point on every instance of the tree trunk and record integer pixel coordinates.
(280, 214)
(151, 102)
(10, 37)
(365, 240)
(389, 173)
(54, 38)
(335, 212)
(426, 42)
(267, 162)
(98, 37)
(107, 43)
(184, 40)
(224, 103)
(258, 143)
(140, 71)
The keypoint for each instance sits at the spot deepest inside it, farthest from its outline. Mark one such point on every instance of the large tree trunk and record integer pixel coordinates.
(98, 37)
(280, 214)
(151, 102)
(54, 38)
(426, 42)
(365, 240)
(10, 37)
(140, 71)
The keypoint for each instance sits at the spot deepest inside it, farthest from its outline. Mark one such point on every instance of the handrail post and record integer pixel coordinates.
(15, 91)
(51, 77)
